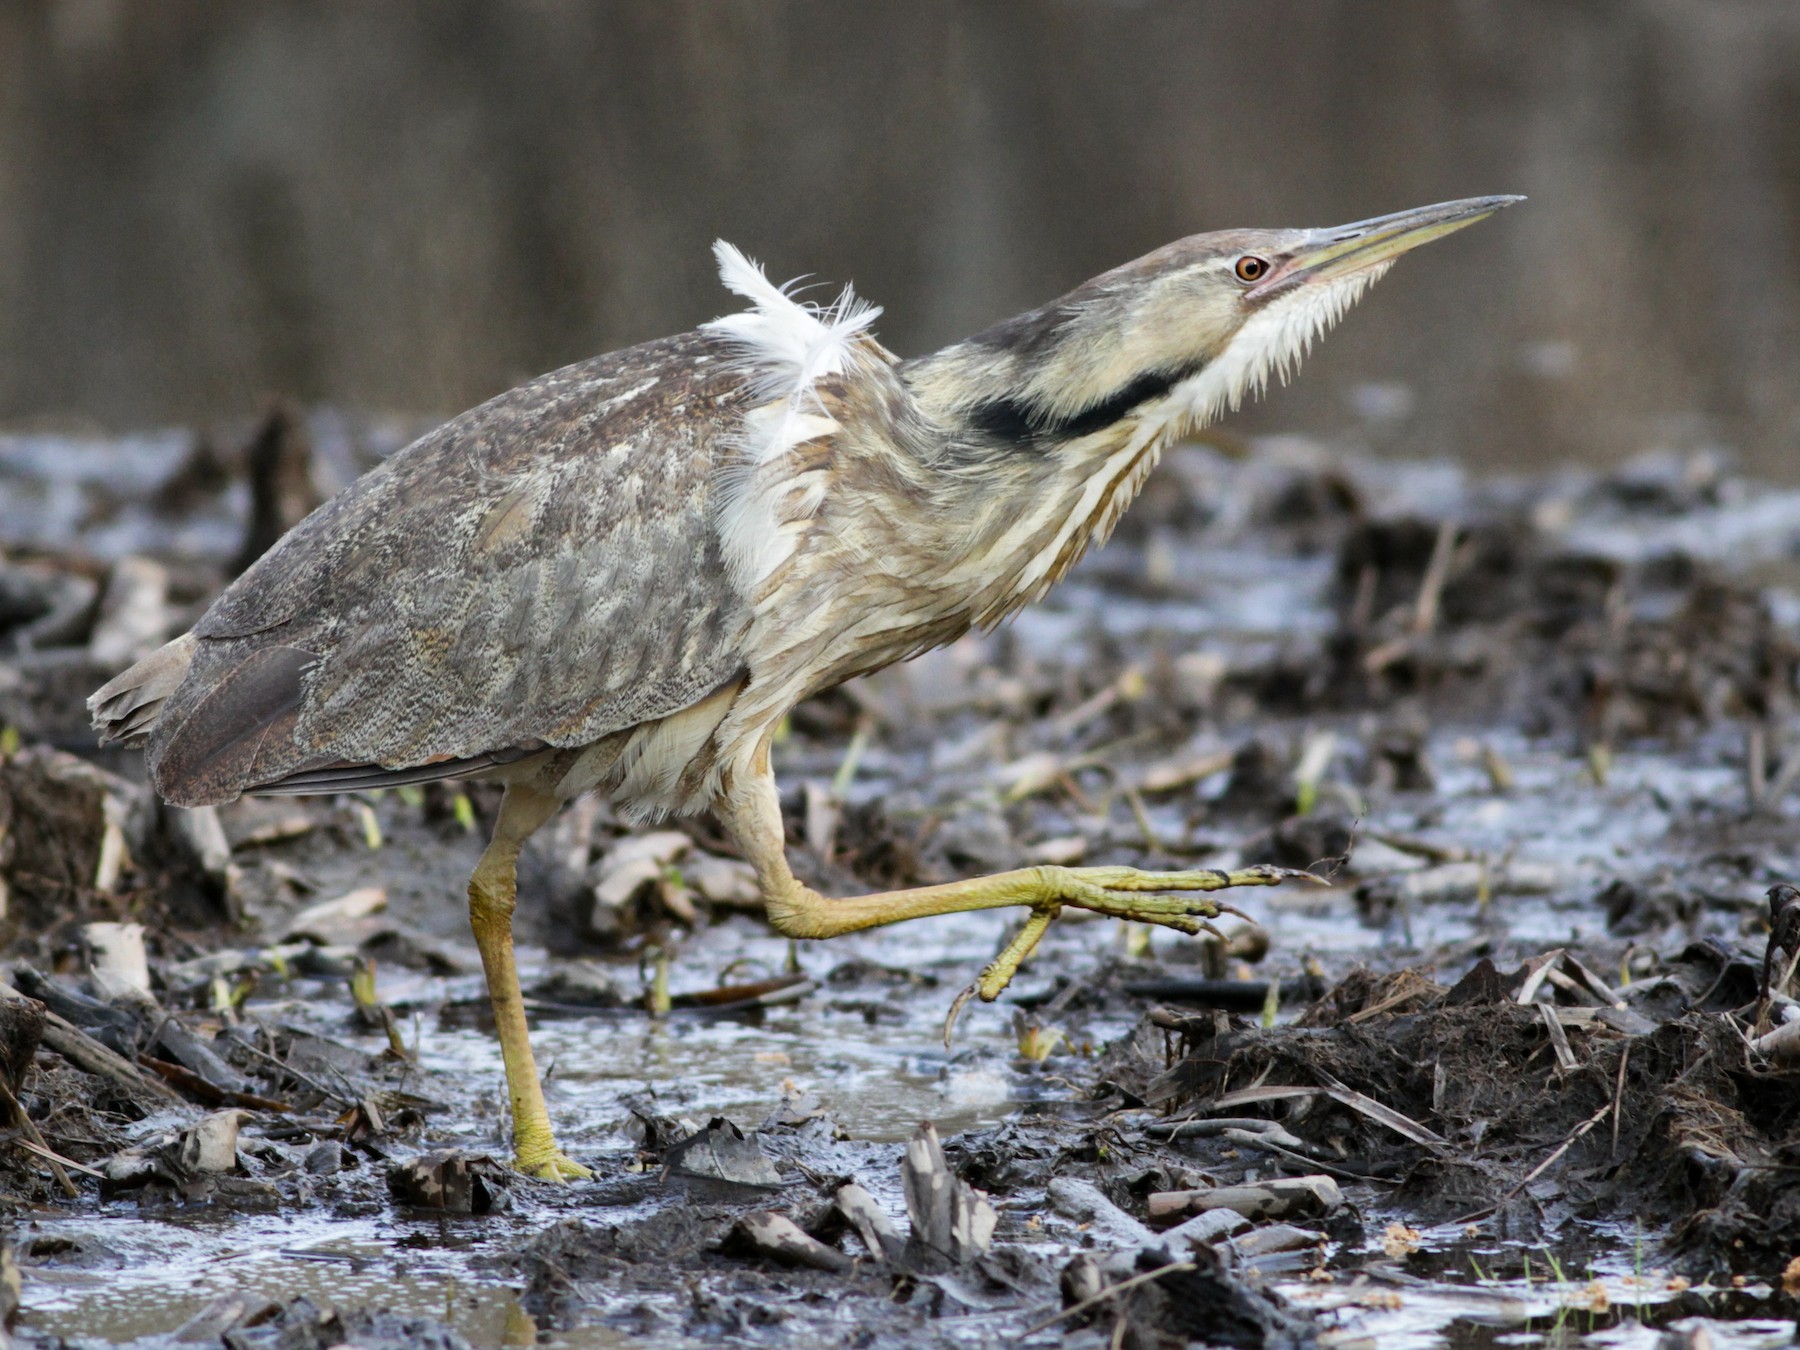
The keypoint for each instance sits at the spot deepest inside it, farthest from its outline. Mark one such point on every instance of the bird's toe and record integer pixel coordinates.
(552, 1165)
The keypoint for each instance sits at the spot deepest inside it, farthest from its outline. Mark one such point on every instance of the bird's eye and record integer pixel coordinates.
(1251, 268)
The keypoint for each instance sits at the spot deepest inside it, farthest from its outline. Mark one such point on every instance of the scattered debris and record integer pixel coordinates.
(870, 1223)
(117, 962)
(1280, 1198)
(453, 1181)
(952, 1223)
(181, 1159)
(722, 1152)
(73, 831)
(303, 1325)
(1101, 1220)
(779, 1238)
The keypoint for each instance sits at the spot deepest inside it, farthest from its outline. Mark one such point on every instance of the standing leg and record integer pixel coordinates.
(492, 891)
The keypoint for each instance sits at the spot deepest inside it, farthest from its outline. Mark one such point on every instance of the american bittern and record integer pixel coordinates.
(620, 576)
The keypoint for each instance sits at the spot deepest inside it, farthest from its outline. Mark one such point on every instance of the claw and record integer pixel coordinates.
(960, 1002)
(1002, 968)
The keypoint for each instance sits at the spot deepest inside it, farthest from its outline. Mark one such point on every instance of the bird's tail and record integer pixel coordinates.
(127, 706)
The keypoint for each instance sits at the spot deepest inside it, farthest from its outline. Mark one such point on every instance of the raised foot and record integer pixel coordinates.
(551, 1165)
(1175, 900)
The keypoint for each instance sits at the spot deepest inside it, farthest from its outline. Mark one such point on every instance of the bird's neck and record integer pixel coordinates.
(1021, 496)
(1050, 509)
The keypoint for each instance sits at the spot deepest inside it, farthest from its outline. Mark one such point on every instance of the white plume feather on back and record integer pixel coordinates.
(783, 347)
(786, 345)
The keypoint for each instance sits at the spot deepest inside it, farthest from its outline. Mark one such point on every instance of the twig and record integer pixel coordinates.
(35, 1141)
(1139, 814)
(1422, 848)
(1596, 986)
(1417, 991)
(208, 1091)
(853, 753)
(1538, 969)
(57, 1162)
(1404, 1126)
(1326, 869)
(86, 1053)
(1561, 1149)
(1437, 572)
(1260, 1092)
(1260, 1139)
(297, 1075)
(1094, 1300)
(1559, 1039)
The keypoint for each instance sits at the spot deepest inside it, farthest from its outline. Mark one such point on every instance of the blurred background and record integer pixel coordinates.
(402, 208)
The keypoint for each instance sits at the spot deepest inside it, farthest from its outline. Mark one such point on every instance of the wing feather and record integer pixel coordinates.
(541, 571)
(370, 777)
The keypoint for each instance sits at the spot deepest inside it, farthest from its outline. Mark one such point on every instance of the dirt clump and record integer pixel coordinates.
(1467, 1105)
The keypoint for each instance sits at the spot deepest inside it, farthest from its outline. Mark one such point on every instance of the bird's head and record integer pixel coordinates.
(1161, 345)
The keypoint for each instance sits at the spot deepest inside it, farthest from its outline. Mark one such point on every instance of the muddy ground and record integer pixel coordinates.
(1506, 1070)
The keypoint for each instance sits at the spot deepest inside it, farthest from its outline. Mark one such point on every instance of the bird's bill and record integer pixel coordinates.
(1326, 255)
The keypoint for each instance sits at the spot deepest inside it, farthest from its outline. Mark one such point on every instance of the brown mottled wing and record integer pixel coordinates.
(542, 570)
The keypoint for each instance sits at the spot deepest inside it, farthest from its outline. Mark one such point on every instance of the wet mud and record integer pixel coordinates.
(1522, 1062)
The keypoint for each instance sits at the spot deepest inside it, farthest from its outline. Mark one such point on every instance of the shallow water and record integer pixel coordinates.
(1445, 1296)
(879, 1080)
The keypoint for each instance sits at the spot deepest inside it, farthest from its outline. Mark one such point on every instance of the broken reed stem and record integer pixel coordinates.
(1787, 974)
(1561, 1149)
(56, 1159)
(30, 1130)
(1136, 802)
(1756, 767)
(1095, 1300)
(1437, 572)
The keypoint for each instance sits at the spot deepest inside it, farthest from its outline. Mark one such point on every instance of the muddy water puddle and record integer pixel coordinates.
(144, 1274)
(878, 1076)
(170, 1269)
(1461, 1293)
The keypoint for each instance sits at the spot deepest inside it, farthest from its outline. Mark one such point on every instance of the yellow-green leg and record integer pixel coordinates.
(492, 891)
(1175, 900)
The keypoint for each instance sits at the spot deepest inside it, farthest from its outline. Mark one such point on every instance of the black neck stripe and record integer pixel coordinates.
(1012, 420)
